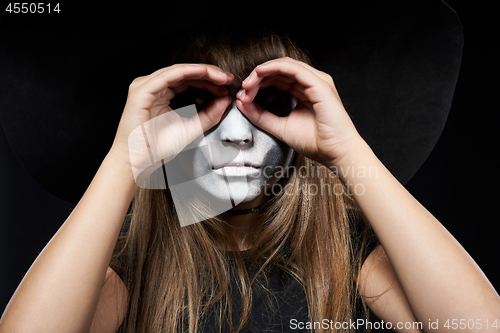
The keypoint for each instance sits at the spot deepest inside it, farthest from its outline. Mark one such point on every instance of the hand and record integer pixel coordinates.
(147, 114)
(318, 127)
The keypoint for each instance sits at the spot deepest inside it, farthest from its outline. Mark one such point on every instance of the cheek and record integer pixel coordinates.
(194, 162)
(275, 156)
(201, 159)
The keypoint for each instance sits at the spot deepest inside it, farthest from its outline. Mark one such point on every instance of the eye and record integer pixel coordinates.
(275, 100)
(200, 97)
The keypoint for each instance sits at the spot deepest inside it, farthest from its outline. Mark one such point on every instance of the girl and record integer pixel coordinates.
(285, 257)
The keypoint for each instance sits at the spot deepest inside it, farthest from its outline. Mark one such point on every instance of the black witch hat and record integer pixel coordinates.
(63, 86)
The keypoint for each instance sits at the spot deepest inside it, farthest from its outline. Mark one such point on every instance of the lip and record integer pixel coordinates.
(237, 164)
(237, 169)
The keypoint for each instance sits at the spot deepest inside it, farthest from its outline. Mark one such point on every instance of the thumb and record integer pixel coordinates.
(264, 119)
(212, 114)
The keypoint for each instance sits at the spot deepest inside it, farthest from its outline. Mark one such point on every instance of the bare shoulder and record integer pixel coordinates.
(112, 305)
(382, 292)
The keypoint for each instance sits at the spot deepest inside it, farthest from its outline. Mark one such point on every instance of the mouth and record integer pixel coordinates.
(237, 169)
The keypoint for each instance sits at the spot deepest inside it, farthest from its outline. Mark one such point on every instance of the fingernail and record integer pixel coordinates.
(223, 73)
(240, 94)
(246, 80)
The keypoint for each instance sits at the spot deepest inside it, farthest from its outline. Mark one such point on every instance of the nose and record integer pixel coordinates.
(235, 128)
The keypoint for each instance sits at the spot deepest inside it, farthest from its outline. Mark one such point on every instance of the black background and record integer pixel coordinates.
(458, 183)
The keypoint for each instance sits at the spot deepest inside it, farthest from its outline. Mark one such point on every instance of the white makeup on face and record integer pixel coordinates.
(236, 161)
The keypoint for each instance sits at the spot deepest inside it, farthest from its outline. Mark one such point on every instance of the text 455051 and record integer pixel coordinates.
(32, 8)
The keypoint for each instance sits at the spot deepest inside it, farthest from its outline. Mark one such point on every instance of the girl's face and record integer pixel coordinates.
(236, 161)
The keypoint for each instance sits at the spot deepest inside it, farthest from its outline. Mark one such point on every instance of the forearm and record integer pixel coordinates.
(61, 289)
(439, 278)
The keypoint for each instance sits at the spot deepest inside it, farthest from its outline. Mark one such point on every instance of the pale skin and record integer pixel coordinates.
(424, 272)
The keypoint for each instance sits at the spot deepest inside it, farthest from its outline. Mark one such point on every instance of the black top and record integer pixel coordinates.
(288, 311)
(289, 302)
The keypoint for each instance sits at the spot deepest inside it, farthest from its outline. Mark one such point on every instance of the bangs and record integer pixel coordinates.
(237, 51)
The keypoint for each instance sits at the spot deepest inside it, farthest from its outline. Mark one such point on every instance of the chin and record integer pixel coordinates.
(246, 194)
(237, 191)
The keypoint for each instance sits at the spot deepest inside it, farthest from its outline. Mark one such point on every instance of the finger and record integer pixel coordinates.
(322, 75)
(280, 82)
(177, 73)
(287, 84)
(264, 119)
(214, 74)
(272, 67)
(311, 85)
(168, 94)
(217, 90)
(158, 86)
(211, 115)
(173, 76)
(140, 80)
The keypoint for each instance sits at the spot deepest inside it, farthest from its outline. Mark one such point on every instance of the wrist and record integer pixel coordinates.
(120, 156)
(358, 160)
(352, 149)
(119, 162)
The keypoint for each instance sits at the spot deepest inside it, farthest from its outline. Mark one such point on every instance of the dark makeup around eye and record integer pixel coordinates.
(277, 101)
(274, 100)
(200, 97)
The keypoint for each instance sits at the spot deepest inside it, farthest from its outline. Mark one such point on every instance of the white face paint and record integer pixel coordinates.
(237, 161)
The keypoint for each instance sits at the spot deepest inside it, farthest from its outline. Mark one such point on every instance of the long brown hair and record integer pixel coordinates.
(178, 276)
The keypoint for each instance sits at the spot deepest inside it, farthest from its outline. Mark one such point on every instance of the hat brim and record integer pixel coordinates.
(395, 65)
